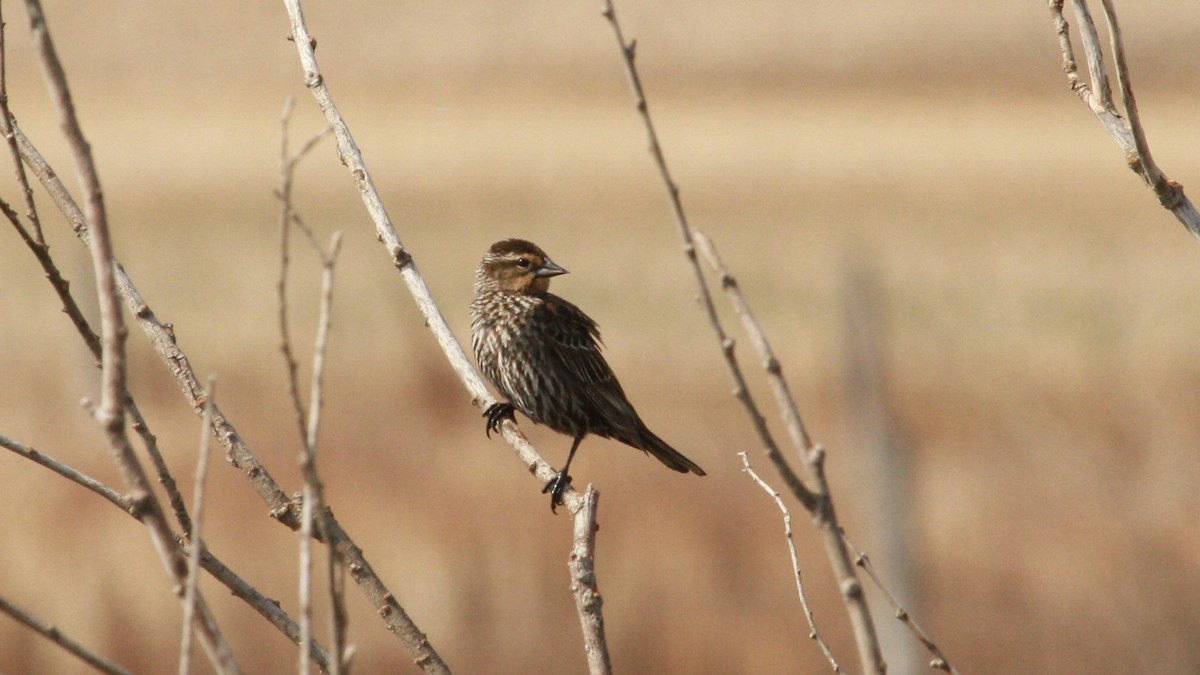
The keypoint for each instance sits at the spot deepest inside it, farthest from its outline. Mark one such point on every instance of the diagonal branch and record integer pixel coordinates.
(75, 476)
(52, 633)
(385, 230)
(939, 661)
(71, 308)
(1126, 131)
(162, 337)
(787, 533)
(741, 390)
(1150, 170)
(266, 607)
(351, 157)
(111, 412)
(824, 515)
(818, 501)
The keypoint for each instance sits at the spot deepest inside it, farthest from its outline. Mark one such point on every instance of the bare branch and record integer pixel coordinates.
(324, 323)
(116, 498)
(288, 217)
(111, 412)
(61, 286)
(818, 502)
(162, 337)
(351, 157)
(939, 662)
(334, 568)
(814, 455)
(286, 174)
(31, 211)
(1150, 170)
(196, 536)
(788, 410)
(63, 289)
(56, 636)
(266, 607)
(583, 584)
(787, 533)
(314, 494)
(305, 579)
(1101, 90)
(741, 390)
(1128, 133)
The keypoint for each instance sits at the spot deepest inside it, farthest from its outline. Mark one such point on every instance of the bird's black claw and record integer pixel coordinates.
(496, 413)
(556, 487)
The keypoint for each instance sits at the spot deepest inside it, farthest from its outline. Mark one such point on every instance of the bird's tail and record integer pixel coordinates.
(646, 440)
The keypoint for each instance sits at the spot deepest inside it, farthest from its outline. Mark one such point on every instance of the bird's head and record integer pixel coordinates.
(516, 265)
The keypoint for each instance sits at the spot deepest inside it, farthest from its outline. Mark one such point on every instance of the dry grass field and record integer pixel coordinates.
(1039, 318)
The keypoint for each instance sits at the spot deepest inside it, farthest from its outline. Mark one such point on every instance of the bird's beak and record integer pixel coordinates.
(549, 269)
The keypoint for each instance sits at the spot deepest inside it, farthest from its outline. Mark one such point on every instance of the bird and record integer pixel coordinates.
(543, 354)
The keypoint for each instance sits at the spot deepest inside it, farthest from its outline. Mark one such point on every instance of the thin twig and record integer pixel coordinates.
(351, 157)
(313, 507)
(162, 337)
(61, 286)
(939, 662)
(116, 498)
(31, 212)
(268, 608)
(314, 494)
(1101, 90)
(334, 568)
(288, 217)
(741, 390)
(1128, 133)
(286, 173)
(787, 533)
(1149, 169)
(197, 534)
(824, 515)
(817, 501)
(788, 410)
(71, 308)
(588, 602)
(56, 636)
(111, 412)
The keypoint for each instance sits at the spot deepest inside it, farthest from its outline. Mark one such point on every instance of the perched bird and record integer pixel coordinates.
(543, 354)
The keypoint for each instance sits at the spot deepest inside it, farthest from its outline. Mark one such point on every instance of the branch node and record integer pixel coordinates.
(401, 258)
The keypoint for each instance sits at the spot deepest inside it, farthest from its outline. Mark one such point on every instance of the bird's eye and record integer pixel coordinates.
(523, 263)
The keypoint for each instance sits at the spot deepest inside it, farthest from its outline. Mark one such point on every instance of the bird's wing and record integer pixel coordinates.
(575, 343)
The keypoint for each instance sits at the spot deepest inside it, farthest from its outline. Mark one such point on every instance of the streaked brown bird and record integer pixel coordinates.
(543, 354)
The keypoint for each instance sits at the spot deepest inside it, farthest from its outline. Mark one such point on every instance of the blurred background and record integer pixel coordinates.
(906, 183)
